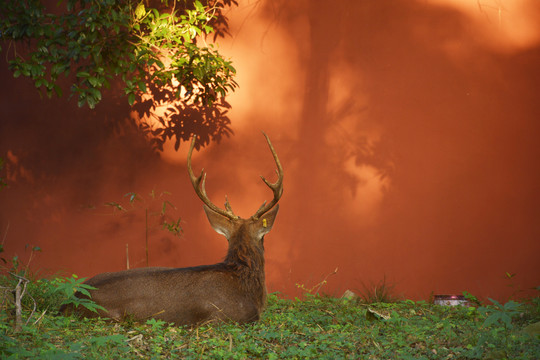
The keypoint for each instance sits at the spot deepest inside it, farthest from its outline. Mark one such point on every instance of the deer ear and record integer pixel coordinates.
(219, 223)
(265, 222)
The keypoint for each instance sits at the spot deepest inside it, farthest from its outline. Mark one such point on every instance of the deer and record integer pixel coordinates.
(233, 290)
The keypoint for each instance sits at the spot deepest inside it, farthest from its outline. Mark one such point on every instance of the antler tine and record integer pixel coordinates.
(200, 187)
(277, 187)
(228, 205)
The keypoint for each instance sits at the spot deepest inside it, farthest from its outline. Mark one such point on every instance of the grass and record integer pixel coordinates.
(316, 327)
(383, 291)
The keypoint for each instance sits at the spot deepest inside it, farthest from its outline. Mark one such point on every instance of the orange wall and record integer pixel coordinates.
(408, 132)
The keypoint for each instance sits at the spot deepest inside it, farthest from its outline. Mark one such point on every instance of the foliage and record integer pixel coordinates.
(98, 41)
(69, 286)
(501, 315)
(39, 293)
(471, 299)
(382, 292)
(155, 206)
(171, 225)
(499, 323)
(316, 327)
(14, 265)
(314, 290)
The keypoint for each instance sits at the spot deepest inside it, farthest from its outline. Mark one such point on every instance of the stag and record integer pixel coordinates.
(232, 290)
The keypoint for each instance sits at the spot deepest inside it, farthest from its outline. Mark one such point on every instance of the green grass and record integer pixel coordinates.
(316, 327)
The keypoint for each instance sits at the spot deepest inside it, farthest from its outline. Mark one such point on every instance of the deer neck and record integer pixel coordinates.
(247, 262)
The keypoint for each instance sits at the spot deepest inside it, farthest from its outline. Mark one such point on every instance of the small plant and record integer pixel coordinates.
(536, 301)
(24, 295)
(70, 286)
(473, 300)
(512, 284)
(14, 265)
(156, 324)
(173, 226)
(314, 290)
(381, 292)
(156, 206)
(16, 285)
(499, 323)
(500, 315)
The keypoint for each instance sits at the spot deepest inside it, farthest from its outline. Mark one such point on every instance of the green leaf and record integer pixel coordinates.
(495, 302)
(95, 94)
(142, 86)
(94, 81)
(512, 306)
(140, 11)
(492, 319)
(115, 206)
(91, 101)
(131, 99)
(81, 101)
(132, 196)
(125, 45)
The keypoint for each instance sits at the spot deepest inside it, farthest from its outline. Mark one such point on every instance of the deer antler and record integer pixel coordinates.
(277, 187)
(199, 182)
(201, 191)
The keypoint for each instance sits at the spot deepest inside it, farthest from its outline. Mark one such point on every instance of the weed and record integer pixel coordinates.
(498, 339)
(317, 327)
(155, 206)
(69, 287)
(381, 292)
(471, 299)
(314, 290)
(15, 285)
(21, 289)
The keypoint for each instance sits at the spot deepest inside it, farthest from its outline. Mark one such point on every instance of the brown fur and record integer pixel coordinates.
(233, 290)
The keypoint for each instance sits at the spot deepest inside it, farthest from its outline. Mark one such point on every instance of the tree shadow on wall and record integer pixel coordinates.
(354, 145)
(165, 118)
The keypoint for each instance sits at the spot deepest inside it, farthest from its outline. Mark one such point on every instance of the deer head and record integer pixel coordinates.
(245, 236)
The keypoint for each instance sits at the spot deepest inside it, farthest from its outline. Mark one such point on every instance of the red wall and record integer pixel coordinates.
(408, 132)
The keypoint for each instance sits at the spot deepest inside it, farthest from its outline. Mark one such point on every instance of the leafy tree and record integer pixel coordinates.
(142, 43)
